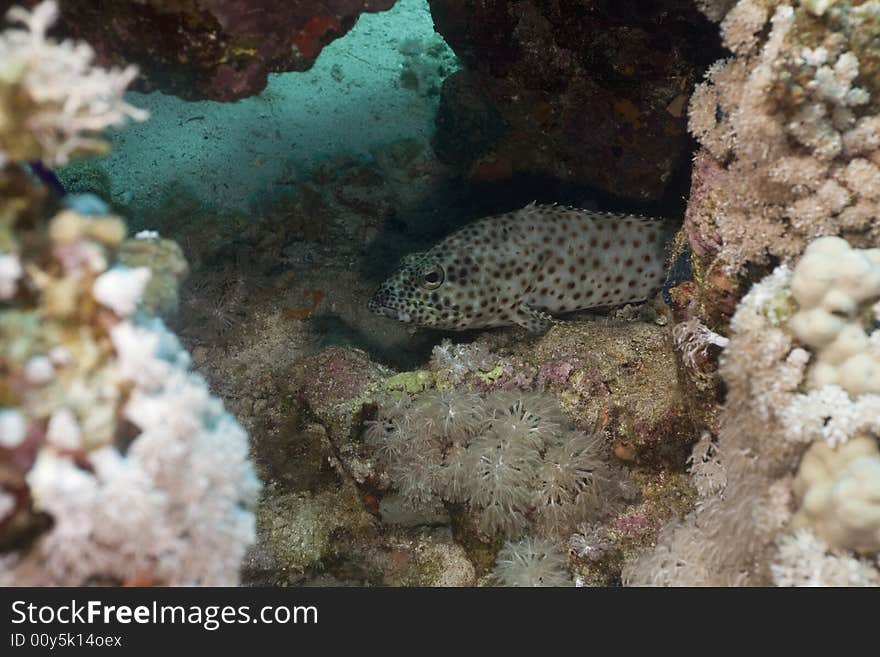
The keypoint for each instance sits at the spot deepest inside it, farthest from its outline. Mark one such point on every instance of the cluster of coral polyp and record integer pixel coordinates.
(510, 455)
(117, 465)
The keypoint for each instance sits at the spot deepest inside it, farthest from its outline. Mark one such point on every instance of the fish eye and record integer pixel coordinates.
(432, 278)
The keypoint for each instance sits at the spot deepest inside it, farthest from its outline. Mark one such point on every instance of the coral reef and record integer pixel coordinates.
(503, 458)
(786, 172)
(219, 50)
(788, 134)
(118, 465)
(455, 458)
(138, 466)
(772, 425)
(729, 439)
(319, 520)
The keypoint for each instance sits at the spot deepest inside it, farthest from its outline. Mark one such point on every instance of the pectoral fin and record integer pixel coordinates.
(534, 321)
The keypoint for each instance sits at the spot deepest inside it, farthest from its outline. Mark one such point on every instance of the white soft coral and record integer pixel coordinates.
(75, 100)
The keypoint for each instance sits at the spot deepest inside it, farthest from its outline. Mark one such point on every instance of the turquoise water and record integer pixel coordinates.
(232, 155)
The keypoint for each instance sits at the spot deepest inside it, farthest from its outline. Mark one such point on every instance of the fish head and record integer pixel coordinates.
(421, 291)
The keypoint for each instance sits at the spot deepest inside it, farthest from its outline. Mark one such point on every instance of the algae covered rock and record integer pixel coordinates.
(337, 385)
(620, 377)
(301, 533)
(219, 50)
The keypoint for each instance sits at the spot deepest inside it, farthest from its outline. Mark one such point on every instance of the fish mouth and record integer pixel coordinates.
(379, 304)
(391, 313)
(381, 309)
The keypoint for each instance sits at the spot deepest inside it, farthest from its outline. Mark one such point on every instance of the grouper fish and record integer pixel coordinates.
(523, 267)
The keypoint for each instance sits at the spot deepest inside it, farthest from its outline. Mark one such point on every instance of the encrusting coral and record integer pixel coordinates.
(117, 465)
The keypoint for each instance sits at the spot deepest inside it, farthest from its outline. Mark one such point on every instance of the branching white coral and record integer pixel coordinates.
(767, 302)
(782, 124)
(71, 100)
(804, 560)
(141, 470)
(830, 414)
(183, 489)
(762, 359)
(180, 485)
